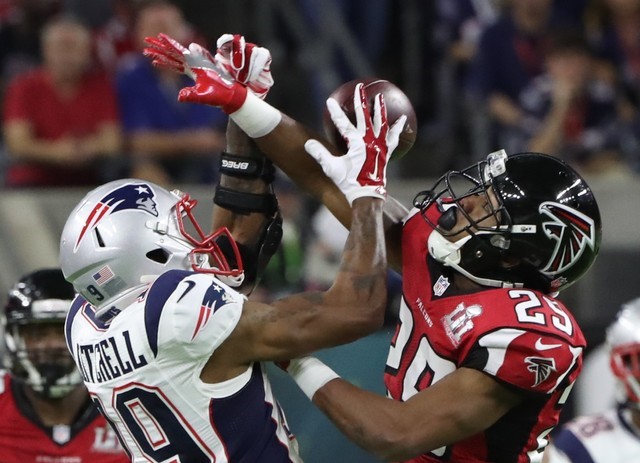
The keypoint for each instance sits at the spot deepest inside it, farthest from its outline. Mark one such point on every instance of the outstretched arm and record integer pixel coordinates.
(397, 431)
(281, 138)
(244, 200)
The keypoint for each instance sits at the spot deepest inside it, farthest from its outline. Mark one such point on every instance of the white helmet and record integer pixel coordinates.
(127, 232)
(623, 340)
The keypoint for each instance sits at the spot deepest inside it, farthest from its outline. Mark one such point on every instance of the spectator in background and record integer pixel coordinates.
(169, 142)
(61, 118)
(612, 27)
(613, 435)
(570, 112)
(510, 54)
(458, 27)
(47, 414)
(114, 40)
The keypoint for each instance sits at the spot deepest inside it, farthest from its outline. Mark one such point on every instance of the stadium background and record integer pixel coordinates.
(31, 220)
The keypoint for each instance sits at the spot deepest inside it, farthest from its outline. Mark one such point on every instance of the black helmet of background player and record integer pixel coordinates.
(38, 298)
(623, 341)
(549, 228)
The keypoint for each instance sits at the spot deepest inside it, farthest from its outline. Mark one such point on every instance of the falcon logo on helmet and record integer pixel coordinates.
(572, 231)
(131, 196)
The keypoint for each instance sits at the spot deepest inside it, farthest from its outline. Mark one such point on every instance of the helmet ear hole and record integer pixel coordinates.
(99, 239)
(158, 255)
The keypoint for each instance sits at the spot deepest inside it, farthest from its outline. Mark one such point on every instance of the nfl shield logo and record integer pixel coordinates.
(61, 433)
(441, 286)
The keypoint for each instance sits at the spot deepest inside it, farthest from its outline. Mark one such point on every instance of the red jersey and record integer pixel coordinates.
(521, 337)
(23, 439)
(32, 97)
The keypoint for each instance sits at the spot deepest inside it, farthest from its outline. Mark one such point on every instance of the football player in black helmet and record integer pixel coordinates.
(545, 230)
(33, 318)
(47, 413)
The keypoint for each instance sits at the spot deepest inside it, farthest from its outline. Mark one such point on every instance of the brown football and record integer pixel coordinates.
(397, 104)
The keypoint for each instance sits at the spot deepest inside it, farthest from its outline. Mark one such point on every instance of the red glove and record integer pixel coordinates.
(243, 62)
(247, 63)
(167, 53)
(213, 89)
(213, 85)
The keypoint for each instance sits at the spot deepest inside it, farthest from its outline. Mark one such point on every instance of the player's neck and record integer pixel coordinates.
(464, 284)
(58, 411)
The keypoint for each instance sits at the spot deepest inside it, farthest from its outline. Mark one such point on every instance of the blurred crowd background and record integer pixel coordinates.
(80, 106)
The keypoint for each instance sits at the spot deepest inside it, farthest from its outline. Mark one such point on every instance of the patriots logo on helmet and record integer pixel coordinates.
(138, 196)
(572, 231)
(541, 368)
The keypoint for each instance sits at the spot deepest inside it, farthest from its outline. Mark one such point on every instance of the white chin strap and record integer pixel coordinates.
(229, 280)
(232, 281)
(448, 253)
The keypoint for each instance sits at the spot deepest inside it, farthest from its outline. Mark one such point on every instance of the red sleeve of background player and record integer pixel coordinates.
(528, 360)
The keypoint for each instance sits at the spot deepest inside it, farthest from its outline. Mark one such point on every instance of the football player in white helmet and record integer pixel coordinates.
(170, 350)
(614, 435)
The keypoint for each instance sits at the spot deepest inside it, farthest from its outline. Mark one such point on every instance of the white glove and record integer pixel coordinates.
(247, 63)
(362, 171)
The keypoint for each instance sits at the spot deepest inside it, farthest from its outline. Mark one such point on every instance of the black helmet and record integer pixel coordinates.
(549, 222)
(43, 296)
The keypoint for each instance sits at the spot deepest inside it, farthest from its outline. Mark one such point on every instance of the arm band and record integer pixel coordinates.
(246, 167)
(255, 117)
(245, 203)
(310, 374)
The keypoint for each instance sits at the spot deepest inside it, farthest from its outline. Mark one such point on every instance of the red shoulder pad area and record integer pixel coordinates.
(529, 360)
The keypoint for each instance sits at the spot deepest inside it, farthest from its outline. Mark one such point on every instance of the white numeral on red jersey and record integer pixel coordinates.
(405, 326)
(425, 368)
(527, 311)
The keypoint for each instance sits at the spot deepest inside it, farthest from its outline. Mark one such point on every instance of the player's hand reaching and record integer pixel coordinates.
(235, 59)
(213, 85)
(167, 53)
(246, 62)
(214, 89)
(362, 171)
